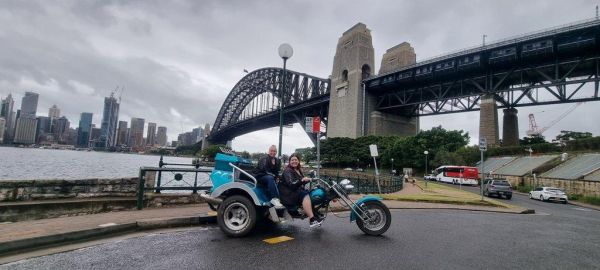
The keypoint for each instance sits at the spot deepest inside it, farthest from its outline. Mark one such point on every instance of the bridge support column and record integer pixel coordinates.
(510, 128)
(488, 120)
(385, 124)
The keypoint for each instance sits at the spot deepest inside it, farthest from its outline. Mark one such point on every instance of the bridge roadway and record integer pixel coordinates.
(557, 237)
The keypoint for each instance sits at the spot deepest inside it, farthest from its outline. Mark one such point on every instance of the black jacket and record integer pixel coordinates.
(265, 166)
(289, 186)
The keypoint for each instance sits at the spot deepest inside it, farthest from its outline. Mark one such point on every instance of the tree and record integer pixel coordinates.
(536, 139)
(211, 151)
(257, 156)
(307, 154)
(444, 157)
(245, 154)
(568, 135)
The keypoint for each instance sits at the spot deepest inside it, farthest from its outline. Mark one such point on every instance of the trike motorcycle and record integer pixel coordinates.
(240, 201)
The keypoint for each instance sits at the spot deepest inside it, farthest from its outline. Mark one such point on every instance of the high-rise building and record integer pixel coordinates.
(43, 129)
(61, 129)
(110, 118)
(197, 134)
(2, 125)
(54, 112)
(25, 129)
(161, 136)
(85, 129)
(122, 133)
(151, 135)
(94, 135)
(7, 112)
(136, 132)
(29, 103)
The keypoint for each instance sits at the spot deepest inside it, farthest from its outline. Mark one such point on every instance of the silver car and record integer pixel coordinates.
(548, 194)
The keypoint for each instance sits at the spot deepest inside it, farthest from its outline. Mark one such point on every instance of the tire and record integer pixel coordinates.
(236, 216)
(564, 202)
(542, 198)
(530, 197)
(382, 218)
(508, 197)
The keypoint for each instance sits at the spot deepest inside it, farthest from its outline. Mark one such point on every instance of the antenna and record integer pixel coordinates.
(122, 91)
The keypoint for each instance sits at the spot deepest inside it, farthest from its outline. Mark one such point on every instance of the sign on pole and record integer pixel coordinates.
(309, 125)
(373, 149)
(482, 144)
(316, 124)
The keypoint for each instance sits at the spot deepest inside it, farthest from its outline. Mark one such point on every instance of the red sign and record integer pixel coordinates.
(316, 124)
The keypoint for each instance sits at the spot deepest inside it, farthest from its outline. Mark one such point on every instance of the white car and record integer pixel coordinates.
(548, 194)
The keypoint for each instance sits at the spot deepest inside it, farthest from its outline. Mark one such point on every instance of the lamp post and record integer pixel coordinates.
(531, 172)
(285, 52)
(426, 153)
(392, 166)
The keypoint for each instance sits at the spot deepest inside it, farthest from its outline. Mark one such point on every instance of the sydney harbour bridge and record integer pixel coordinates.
(557, 65)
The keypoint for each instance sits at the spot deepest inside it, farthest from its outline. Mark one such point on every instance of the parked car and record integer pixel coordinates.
(498, 187)
(548, 194)
(347, 169)
(430, 177)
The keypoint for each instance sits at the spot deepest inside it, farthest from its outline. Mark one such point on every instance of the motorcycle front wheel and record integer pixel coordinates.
(380, 220)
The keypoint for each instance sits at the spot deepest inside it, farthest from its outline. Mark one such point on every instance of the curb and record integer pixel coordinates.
(29, 244)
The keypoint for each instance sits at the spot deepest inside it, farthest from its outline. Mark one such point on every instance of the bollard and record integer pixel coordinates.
(140, 194)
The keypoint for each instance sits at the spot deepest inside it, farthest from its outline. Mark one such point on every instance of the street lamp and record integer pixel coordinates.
(285, 52)
(426, 153)
(392, 166)
(533, 180)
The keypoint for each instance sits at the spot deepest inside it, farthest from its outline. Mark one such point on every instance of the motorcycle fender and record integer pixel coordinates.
(353, 214)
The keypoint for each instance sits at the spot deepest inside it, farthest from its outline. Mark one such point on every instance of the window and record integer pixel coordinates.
(366, 71)
(345, 75)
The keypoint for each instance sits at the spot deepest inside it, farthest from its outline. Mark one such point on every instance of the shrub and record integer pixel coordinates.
(524, 189)
(575, 197)
(591, 200)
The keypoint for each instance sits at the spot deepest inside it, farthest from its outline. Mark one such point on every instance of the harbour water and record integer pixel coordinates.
(34, 164)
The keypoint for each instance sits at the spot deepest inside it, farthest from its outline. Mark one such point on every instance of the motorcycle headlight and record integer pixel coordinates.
(349, 187)
(345, 182)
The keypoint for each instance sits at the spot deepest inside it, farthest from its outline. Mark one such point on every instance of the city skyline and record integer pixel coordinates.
(35, 123)
(183, 84)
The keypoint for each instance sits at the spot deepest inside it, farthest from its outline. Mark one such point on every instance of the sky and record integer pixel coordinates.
(176, 61)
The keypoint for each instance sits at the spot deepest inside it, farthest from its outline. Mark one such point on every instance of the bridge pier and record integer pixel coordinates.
(510, 127)
(488, 120)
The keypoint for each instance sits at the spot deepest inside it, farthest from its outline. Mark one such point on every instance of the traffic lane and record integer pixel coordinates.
(417, 239)
(553, 208)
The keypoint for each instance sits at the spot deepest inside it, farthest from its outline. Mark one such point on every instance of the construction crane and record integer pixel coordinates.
(535, 131)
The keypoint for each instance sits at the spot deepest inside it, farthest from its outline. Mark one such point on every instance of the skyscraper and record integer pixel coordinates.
(43, 129)
(85, 129)
(161, 136)
(54, 112)
(7, 112)
(2, 125)
(29, 103)
(108, 127)
(61, 129)
(151, 135)
(122, 133)
(136, 133)
(197, 134)
(25, 129)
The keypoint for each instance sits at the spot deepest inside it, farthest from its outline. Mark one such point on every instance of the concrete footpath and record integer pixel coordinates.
(36, 234)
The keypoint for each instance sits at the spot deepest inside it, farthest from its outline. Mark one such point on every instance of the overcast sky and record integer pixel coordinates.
(178, 60)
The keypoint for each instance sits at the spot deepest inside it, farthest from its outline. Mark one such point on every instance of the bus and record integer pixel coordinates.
(463, 175)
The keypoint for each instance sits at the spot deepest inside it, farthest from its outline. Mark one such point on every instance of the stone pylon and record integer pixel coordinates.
(510, 127)
(351, 109)
(488, 120)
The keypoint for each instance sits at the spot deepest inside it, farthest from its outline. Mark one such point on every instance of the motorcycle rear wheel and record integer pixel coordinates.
(380, 221)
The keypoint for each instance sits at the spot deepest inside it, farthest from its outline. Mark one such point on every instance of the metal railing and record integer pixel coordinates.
(177, 173)
(368, 184)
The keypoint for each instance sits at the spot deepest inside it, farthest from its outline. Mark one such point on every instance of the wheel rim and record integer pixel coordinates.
(377, 220)
(236, 216)
(541, 198)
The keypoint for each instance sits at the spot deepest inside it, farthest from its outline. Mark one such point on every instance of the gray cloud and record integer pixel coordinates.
(179, 59)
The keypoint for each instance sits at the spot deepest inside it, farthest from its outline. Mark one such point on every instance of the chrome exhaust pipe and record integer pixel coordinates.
(210, 199)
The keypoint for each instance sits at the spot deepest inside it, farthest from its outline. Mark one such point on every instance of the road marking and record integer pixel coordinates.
(277, 240)
(582, 209)
(212, 213)
(107, 224)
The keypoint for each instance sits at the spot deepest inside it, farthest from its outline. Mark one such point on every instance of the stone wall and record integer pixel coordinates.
(28, 190)
(583, 187)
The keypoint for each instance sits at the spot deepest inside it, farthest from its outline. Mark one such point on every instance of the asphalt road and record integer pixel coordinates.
(417, 239)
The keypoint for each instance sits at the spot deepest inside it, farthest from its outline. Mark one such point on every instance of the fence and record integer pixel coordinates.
(364, 184)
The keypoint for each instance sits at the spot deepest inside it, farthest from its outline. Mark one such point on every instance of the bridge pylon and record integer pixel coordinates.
(351, 109)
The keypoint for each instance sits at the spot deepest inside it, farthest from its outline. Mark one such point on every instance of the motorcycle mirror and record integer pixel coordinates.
(311, 174)
(344, 182)
(349, 187)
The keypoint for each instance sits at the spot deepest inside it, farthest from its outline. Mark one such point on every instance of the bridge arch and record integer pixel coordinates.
(302, 92)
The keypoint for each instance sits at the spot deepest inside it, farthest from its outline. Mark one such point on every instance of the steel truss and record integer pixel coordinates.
(519, 86)
(255, 98)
